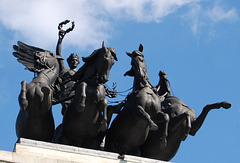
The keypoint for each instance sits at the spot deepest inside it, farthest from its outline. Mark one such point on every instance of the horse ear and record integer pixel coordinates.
(114, 55)
(104, 46)
(140, 48)
(129, 54)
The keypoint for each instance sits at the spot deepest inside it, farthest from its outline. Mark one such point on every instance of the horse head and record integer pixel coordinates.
(102, 61)
(46, 59)
(139, 68)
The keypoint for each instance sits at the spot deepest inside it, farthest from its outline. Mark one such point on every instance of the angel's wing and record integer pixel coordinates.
(26, 55)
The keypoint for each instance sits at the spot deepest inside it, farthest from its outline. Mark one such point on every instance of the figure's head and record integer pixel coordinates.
(73, 61)
(163, 75)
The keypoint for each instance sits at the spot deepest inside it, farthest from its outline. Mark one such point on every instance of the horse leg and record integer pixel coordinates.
(179, 120)
(65, 140)
(163, 118)
(79, 100)
(102, 107)
(187, 127)
(139, 112)
(57, 134)
(47, 98)
(196, 125)
(111, 109)
(100, 141)
(109, 145)
(22, 98)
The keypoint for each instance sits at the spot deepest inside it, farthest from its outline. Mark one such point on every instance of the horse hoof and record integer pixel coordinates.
(153, 127)
(80, 108)
(163, 143)
(121, 157)
(24, 84)
(225, 104)
(103, 126)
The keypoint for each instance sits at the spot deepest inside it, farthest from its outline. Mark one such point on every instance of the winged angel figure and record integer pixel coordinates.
(35, 119)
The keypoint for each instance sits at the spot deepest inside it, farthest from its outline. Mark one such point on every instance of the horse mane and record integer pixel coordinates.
(89, 67)
(87, 71)
(95, 52)
(91, 56)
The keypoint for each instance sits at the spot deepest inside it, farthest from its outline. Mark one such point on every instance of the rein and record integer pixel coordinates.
(120, 93)
(170, 87)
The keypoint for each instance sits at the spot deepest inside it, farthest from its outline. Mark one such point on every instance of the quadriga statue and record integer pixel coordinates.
(183, 121)
(141, 110)
(35, 119)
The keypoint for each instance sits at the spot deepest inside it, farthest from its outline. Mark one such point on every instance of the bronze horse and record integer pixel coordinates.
(182, 122)
(130, 128)
(86, 117)
(35, 119)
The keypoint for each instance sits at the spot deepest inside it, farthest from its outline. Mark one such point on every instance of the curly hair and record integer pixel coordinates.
(71, 57)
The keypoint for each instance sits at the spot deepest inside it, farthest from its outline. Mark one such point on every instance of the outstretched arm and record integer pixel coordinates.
(61, 35)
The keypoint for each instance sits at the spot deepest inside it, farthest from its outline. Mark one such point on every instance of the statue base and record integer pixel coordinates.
(32, 151)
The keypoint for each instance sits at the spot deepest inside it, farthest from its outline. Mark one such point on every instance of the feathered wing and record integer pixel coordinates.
(25, 54)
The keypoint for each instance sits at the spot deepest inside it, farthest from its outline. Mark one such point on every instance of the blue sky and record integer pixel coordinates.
(197, 42)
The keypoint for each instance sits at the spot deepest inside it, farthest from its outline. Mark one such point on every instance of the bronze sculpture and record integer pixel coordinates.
(130, 128)
(87, 114)
(183, 121)
(150, 122)
(35, 119)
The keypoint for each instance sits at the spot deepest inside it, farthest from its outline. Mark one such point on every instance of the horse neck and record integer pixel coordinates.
(90, 74)
(48, 75)
(86, 73)
(138, 84)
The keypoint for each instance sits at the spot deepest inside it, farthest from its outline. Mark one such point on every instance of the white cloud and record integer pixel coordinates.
(193, 17)
(37, 20)
(199, 16)
(144, 10)
(217, 13)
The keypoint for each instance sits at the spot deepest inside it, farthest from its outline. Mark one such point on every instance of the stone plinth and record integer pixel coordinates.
(31, 151)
